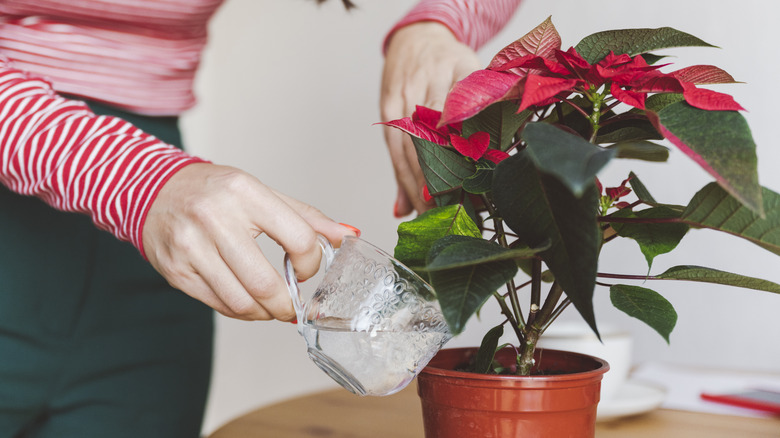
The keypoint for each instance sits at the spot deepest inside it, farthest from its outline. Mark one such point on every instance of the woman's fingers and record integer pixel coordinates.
(200, 235)
(422, 62)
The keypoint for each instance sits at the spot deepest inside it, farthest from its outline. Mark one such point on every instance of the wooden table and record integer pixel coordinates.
(339, 414)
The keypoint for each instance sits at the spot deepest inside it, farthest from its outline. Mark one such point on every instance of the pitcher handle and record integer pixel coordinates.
(292, 281)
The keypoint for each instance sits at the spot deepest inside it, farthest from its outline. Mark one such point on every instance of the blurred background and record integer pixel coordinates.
(288, 91)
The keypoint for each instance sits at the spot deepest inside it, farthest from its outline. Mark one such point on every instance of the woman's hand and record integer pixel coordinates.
(200, 235)
(422, 62)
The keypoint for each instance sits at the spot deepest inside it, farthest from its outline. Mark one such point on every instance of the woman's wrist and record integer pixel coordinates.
(421, 30)
(418, 31)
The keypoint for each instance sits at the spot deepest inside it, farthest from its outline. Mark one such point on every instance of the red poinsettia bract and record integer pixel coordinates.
(613, 194)
(539, 80)
(423, 124)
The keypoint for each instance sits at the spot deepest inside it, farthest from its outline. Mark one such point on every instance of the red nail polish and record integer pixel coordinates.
(294, 321)
(396, 213)
(426, 194)
(357, 231)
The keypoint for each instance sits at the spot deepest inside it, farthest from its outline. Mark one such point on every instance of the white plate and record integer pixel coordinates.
(632, 398)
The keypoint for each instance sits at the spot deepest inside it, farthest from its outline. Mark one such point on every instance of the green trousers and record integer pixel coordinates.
(93, 342)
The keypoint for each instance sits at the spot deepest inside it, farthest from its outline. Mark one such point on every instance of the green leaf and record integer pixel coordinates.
(487, 350)
(652, 59)
(500, 120)
(640, 190)
(644, 195)
(641, 150)
(416, 237)
(464, 271)
(645, 305)
(540, 209)
(627, 127)
(653, 238)
(708, 275)
(448, 198)
(572, 159)
(629, 133)
(659, 101)
(463, 289)
(634, 42)
(444, 169)
(456, 251)
(713, 208)
(526, 265)
(721, 143)
(482, 179)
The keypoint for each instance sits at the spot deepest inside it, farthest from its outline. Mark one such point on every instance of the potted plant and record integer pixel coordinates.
(512, 162)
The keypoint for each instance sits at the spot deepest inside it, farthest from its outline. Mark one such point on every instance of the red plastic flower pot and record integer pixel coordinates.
(560, 402)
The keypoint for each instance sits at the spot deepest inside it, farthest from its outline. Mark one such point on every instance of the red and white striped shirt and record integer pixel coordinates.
(140, 55)
(56, 149)
(473, 22)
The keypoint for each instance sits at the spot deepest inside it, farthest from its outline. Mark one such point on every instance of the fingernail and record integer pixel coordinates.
(294, 321)
(426, 194)
(357, 231)
(396, 213)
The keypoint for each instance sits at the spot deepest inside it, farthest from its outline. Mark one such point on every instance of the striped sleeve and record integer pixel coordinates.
(473, 22)
(59, 151)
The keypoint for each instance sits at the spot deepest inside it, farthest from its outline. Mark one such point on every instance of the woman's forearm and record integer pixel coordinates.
(58, 150)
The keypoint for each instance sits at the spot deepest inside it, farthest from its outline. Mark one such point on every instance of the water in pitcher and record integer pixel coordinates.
(369, 362)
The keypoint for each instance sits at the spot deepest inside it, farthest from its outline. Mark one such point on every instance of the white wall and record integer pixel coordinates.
(288, 92)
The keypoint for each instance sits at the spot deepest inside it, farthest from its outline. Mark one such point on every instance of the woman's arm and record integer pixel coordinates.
(58, 150)
(473, 22)
(196, 222)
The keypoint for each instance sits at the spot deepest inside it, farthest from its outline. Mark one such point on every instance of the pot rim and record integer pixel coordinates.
(602, 368)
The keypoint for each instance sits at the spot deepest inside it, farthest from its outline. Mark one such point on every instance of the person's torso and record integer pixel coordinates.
(138, 54)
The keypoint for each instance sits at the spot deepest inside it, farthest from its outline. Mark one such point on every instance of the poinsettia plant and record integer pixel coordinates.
(513, 159)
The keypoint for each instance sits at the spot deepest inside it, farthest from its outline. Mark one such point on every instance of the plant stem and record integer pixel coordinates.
(557, 312)
(577, 108)
(595, 117)
(512, 292)
(536, 288)
(498, 224)
(534, 330)
(523, 285)
(505, 232)
(627, 276)
(508, 313)
(550, 302)
(610, 238)
(636, 220)
(559, 112)
(526, 360)
(611, 105)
